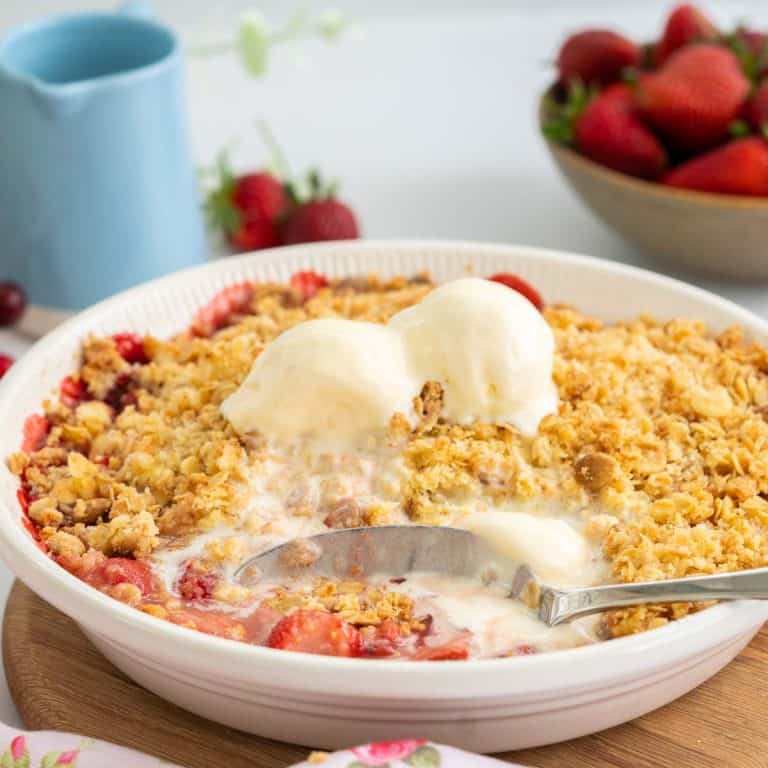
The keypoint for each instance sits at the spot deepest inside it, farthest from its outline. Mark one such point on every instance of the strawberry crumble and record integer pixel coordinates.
(653, 466)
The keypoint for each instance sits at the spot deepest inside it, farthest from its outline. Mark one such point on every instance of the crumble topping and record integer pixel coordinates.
(660, 443)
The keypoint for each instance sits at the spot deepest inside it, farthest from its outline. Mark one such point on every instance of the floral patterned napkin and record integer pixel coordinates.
(51, 749)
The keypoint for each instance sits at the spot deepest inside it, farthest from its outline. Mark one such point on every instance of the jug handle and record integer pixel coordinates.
(141, 9)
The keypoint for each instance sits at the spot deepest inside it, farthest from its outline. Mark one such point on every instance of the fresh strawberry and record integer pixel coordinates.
(521, 286)
(318, 632)
(218, 312)
(72, 391)
(130, 346)
(318, 216)
(5, 363)
(756, 111)
(35, 431)
(738, 168)
(686, 24)
(609, 133)
(246, 208)
(195, 583)
(122, 570)
(308, 283)
(596, 56)
(693, 99)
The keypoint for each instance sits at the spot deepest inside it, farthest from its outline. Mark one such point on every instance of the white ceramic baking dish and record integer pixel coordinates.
(485, 706)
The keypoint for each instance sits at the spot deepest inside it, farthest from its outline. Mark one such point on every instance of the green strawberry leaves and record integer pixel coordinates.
(560, 116)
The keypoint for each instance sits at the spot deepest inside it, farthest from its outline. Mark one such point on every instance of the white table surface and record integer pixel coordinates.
(428, 120)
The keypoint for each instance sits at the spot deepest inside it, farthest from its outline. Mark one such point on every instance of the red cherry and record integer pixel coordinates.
(13, 300)
(5, 363)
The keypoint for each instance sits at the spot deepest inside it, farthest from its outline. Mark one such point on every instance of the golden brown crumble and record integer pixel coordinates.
(661, 434)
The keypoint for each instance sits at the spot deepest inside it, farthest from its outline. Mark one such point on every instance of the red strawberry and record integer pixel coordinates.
(686, 24)
(122, 570)
(738, 168)
(130, 346)
(72, 391)
(609, 133)
(246, 208)
(218, 312)
(521, 286)
(5, 363)
(596, 56)
(13, 301)
(383, 640)
(35, 431)
(694, 97)
(308, 283)
(315, 632)
(195, 583)
(756, 110)
(456, 650)
(321, 216)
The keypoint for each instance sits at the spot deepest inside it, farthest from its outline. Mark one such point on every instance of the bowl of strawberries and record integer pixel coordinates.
(667, 142)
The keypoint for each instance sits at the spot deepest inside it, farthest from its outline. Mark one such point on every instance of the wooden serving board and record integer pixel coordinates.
(59, 681)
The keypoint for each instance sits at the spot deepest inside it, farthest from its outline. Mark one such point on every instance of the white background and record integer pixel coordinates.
(428, 120)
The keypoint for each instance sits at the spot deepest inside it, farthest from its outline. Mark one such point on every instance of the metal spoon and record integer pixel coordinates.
(355, 553)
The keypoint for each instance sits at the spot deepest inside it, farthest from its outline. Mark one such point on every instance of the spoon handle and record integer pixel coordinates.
(559, 605)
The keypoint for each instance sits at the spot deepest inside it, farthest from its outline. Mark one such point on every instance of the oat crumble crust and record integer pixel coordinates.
(661, 433)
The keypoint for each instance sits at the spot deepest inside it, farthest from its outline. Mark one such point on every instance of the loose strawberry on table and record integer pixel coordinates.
(6, 361)
(246, 208)
(756, 111)
(13, 301)
(318, 216)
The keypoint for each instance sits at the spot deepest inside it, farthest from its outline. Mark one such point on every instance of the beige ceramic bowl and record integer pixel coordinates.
(720, 234)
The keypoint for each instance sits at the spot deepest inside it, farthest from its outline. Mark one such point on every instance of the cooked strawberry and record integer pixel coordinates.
(609, 133)
(316, 632)
(122, 393)
(130, 346)
(596, 56)
(35, 431)
(6, 361)
(246, 208)
(308, 283)
(685, 24)
(523, 650)
(756, 111)
(219, 311)
(383, 640)
(196, 583)
(455, 650)
(738, 168)
(210, 622)
(693, 99)
(122, 570)
(72, 391)
(521, 286)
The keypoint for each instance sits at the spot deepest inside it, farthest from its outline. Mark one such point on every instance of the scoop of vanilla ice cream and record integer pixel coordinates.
(488, 346)
(335, 379)
(555, 551)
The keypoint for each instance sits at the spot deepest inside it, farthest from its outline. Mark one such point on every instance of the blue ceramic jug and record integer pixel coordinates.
(97, 185)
